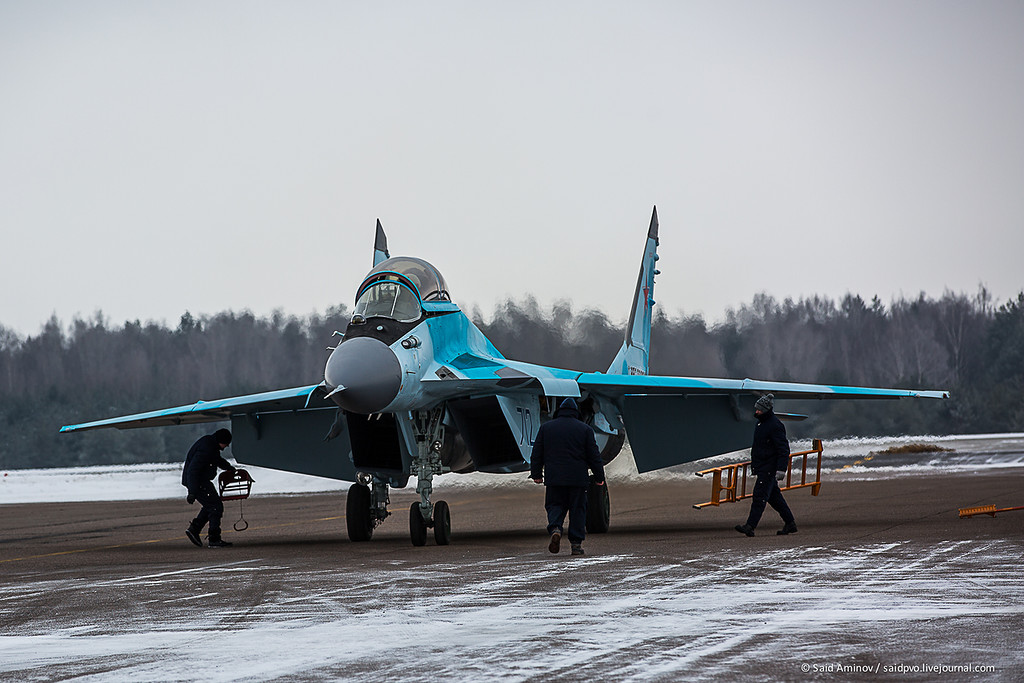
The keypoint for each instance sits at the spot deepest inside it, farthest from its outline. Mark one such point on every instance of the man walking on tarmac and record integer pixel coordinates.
(197, 475)
(564, 450)
(769, 461)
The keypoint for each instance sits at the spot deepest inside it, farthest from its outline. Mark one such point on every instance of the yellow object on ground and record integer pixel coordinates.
(735, 478)
(990, 510)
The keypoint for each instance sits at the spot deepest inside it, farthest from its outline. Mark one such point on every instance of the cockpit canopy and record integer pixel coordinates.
(395, 288)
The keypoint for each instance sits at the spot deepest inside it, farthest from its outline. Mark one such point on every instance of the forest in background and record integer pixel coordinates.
(91, 369)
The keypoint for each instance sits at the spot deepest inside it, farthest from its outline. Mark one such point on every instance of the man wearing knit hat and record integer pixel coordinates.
(565, 448)
(769, 460)
(201, 465)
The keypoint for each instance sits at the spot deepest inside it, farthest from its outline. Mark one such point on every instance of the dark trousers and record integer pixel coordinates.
(559, 500)
(213, 508)
(766, 491)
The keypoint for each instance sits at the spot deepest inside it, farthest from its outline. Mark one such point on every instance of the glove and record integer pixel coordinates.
(779, 476)
(190, 499)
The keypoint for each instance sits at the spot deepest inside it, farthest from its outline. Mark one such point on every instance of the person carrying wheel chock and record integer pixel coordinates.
(201, 464)
(563, 451)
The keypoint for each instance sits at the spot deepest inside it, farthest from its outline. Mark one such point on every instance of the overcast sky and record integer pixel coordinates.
(163, 157)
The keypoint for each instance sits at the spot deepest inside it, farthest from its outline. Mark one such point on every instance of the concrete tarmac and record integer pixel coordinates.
(883, 576)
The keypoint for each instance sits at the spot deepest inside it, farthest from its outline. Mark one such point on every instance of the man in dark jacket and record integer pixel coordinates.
(769, 461)
(564, 450)
(201, 464)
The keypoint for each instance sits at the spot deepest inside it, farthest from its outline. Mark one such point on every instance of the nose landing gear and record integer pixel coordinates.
(429, 431)
(367, 504)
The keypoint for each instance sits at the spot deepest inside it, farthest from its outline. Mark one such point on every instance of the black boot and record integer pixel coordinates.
(789, 528)
(556, 542)
(193, 535)
(745, 529)
(219, 543)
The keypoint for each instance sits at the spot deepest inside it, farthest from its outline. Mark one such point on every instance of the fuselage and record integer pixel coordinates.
(405, 351)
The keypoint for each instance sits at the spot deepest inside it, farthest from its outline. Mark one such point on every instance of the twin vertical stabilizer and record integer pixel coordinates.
(632, 358)
(380, 245)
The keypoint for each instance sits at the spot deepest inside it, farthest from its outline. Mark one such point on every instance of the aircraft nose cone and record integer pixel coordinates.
(369, 372)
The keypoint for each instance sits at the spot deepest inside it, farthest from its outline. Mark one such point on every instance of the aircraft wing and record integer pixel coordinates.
(212, 411)
(621, 385)
(470, 373)
(675, 420)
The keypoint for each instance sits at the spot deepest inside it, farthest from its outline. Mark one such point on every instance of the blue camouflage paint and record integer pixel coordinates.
(633, 357)
(451, 359)
(632, 385)
(205, 411)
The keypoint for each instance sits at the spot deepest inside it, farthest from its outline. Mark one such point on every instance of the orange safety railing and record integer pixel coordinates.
(735, 478)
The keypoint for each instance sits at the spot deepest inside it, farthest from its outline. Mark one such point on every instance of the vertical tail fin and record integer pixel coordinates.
(380, 245)
(632, 358)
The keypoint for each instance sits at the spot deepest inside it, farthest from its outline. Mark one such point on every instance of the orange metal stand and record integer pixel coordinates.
(990, 510)
(735, 478)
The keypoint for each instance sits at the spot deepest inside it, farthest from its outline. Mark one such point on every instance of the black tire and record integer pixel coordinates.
(599, 511)
(442, 523)
(417, 526)
(357, 513)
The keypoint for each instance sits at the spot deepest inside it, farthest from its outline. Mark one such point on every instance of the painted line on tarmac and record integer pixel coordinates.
(175, 538)
(155, 540)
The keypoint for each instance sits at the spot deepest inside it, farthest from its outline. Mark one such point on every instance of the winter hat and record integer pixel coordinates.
(765, 404)
(569, 404)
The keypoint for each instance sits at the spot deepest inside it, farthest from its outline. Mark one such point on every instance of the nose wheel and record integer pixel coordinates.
(441, 523)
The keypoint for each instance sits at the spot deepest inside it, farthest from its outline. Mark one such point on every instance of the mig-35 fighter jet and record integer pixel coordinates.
(414, 388)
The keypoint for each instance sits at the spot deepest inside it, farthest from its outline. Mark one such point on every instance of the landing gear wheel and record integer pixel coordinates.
(417, 526)
(598, 508)
(357, 513)
(442, 523)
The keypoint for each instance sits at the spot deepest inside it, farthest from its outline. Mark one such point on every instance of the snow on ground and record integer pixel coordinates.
(849, 458)
(853, 458)
(135, 482)
(760, 616)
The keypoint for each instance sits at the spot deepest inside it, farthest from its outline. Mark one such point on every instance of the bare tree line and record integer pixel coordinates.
(91, 369)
